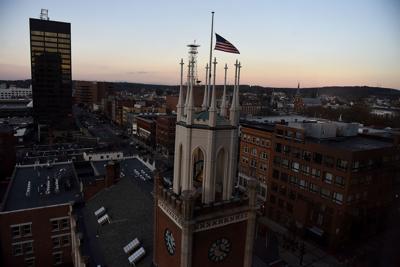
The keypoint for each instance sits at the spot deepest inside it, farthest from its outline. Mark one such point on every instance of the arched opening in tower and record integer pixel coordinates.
(198, 168)
(180, 165)
(220, 175)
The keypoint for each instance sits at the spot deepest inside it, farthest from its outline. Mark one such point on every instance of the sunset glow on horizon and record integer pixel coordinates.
(316, 43)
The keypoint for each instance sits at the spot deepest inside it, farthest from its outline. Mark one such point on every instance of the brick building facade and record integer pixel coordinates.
(325, 181)
(165, 134)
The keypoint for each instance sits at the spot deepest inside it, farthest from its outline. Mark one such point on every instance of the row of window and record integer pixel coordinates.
(313, 188)
(50, 39)
(254, 164)
(61, 241)
(25, 229)
(42, 44)
(21, 230)
(261, 190)
(253, 151)
(256, 140)
(306, 170)
(317, 158)
(50, 34)
(36, 54)
(22, 248)
(289, 134)
(59, 224)
(281, 203)
(360, 165)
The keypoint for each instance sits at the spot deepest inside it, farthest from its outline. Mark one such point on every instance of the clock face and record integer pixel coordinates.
(219, 250)
(169, 241)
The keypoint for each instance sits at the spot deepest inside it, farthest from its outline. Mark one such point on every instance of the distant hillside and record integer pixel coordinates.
(348, 92)
(343, 91)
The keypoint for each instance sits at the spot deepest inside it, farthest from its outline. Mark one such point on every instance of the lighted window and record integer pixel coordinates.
(337, 197)
(63, 45)
(328, 177)
(51, 34)
(51, 50)
(303, 184)
(295, 166)
(63, 35)
(37, 33)
(342, 164)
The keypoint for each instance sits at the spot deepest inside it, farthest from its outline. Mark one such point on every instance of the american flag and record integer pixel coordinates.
(224, 45)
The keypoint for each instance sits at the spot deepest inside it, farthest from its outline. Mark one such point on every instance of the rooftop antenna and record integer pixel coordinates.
(44, 14)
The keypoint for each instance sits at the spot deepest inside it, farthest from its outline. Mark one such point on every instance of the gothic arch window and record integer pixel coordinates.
(198, 168)
(180, 165)
(220, 177)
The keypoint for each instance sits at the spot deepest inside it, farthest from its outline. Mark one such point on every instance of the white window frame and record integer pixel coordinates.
(20, 228)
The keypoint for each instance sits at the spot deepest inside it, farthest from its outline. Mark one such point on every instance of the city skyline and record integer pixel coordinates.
(316, 44)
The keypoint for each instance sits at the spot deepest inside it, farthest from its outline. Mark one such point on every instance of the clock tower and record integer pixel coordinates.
(202, 220)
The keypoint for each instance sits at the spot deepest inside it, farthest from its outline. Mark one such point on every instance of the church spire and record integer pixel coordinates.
(223, 101)
(235, 107)
(204, 106)
(298, 89)
(213, 105)
(190, 104)
(180, 106)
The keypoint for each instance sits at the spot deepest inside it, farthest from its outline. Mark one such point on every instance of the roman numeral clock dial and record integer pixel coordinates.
(219, 250)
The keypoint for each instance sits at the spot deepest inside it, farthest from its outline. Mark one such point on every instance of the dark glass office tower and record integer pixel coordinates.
(51, 73)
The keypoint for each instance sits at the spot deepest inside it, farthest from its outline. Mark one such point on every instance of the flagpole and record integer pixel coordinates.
(211, 43)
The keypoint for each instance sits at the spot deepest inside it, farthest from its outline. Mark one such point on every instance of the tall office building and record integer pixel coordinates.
(51, 72)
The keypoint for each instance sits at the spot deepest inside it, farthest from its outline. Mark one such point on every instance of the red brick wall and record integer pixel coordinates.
(202, 241)
(163, 258)
(41, 234)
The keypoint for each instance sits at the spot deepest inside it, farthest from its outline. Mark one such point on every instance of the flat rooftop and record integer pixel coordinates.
(43, 180)
(257, 125)
(354, 143)
(286, 118)
(129, 204)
